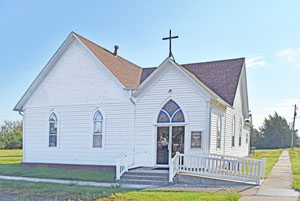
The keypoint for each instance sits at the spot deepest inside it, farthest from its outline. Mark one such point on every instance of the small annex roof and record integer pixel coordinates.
(222, 77)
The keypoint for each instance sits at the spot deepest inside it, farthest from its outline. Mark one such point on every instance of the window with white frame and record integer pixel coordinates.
(53, 130)
(241, 131)
(247, 136)
(233, 131)
(98, 130)
(219, 132)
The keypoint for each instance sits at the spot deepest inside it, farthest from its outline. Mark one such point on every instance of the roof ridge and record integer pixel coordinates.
(106, 49)
(221, 60)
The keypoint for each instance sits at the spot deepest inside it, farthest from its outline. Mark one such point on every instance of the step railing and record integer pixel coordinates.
(219, 166)
(128, 161)
(174, 167)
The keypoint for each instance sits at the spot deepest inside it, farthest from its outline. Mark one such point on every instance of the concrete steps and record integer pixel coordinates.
(145, 177)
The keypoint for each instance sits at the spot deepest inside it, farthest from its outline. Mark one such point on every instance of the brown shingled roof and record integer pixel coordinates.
(221, 77)
(128, 73)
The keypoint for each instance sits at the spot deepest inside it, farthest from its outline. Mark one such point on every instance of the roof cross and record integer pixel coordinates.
(170, 43)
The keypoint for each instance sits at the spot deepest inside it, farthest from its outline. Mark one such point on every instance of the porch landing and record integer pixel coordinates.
(150, 170)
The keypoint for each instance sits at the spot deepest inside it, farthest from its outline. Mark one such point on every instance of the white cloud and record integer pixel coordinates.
(255, 62)
(289, 55)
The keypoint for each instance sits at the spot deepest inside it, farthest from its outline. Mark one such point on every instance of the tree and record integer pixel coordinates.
(273, 134)
(11, 135)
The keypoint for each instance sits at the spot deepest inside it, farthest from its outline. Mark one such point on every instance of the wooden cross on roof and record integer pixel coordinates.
(170, 43)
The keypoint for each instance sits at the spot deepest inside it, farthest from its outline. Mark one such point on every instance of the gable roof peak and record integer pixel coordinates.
(125, 71)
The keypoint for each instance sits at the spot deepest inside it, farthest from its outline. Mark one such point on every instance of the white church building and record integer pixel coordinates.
(89, 106)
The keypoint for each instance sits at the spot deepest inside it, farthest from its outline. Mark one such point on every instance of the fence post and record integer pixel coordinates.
(259, 164)
(263, 168)
(177, 161)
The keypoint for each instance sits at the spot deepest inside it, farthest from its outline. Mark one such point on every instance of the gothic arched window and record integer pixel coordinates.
(170, 113)
(98, 129)
(53, 130)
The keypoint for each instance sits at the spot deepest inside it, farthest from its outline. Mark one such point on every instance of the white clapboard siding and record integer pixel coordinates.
(192, 103)
(75, 87)
(78, 85)
(226, 140)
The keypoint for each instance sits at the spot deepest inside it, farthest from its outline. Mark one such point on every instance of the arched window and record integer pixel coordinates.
(219, 132)
(98, 129)
(53, 130)
(233, 131)
(170, 113)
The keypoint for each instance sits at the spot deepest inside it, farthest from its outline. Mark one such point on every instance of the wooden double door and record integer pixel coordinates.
(170, 139)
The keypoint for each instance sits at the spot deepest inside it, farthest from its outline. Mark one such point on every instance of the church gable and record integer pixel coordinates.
(218, 79)
(167, 79)
(221, 77)
(76, 78)
(241, 97)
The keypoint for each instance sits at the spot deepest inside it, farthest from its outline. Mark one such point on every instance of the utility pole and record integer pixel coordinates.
(293, 133)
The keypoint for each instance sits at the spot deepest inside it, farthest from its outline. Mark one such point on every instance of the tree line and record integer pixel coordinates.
(11, 135)
(275, 133)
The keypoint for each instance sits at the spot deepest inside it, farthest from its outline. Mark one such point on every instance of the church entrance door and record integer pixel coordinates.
(170, 139)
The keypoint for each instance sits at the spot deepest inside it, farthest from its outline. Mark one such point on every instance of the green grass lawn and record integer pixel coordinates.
(31, 191)
(10, 161)
(295, 159)
(271, 156)
(160, 195)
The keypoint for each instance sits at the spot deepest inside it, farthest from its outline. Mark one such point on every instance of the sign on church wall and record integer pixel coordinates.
(196, 139)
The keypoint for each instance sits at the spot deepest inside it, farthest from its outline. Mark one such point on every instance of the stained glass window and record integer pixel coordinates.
(170, 112)
(163, 117)
(171, 107)
(178, 117)
(53, 130)
(98, 129)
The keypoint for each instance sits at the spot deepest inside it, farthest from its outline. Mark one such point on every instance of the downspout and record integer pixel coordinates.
(134, 117)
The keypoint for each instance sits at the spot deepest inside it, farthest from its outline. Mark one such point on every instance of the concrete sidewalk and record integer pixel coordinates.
(74, 182)
(278, 187)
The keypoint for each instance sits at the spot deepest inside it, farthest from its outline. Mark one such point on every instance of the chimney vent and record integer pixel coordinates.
(116, 50)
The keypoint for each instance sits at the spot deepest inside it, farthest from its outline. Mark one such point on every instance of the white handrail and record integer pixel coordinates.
(227, 167)
(174, 167)
(128, 161)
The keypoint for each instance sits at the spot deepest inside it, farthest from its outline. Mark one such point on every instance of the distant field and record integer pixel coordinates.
(11, 156)
(10, 161)
(271, 156)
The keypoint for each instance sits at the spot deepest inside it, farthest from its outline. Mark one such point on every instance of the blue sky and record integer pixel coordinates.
(267, 33)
